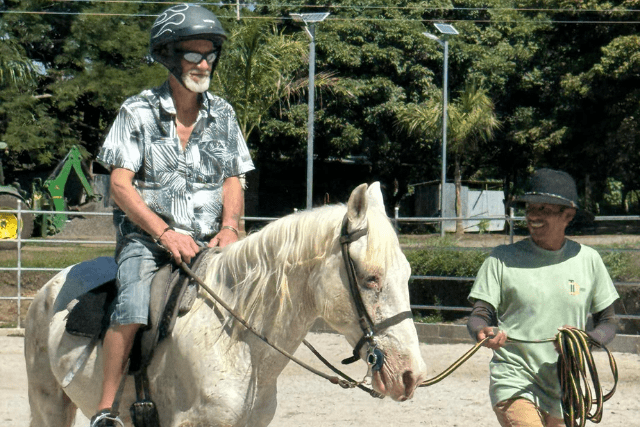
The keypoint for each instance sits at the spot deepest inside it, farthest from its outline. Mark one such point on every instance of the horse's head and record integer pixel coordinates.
(370, 253)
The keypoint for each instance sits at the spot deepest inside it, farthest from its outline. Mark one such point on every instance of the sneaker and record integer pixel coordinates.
(105, 418)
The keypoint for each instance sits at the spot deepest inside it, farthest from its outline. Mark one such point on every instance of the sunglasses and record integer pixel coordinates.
(197, 57)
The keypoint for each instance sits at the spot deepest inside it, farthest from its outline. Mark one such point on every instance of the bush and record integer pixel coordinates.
(445, 262)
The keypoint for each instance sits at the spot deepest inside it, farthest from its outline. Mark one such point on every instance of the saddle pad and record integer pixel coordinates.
(90, 316)
(83, 277)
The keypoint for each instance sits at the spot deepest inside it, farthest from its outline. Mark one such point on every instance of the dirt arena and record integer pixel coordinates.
(460, 400)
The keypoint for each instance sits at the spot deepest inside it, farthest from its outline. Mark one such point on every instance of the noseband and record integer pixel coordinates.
(375, 357)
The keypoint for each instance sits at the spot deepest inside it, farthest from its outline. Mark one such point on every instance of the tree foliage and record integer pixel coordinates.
(563, 78)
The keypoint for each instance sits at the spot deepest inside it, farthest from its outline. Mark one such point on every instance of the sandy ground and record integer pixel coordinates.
(460, 400)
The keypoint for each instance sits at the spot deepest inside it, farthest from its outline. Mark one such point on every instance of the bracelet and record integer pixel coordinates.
(157, 239)
(228, 227)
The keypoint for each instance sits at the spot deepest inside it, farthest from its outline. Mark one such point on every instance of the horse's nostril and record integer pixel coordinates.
(409, 381)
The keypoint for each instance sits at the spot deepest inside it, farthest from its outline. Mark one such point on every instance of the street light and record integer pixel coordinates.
(445, 30)
(309, 20)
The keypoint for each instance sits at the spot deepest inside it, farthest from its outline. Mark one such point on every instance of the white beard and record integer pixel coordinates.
(200, 86)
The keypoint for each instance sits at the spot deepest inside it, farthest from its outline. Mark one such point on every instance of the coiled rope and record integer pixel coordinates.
(575, 367)
(577, 392)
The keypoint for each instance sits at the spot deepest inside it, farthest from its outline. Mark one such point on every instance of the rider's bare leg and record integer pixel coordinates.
(117, 345)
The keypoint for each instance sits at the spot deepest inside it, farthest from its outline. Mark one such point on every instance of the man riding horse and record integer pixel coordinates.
(176, 154)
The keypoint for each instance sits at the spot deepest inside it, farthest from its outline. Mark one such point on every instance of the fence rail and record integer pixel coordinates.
(396, 220)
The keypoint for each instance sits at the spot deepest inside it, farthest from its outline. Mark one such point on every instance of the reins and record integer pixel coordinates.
(344, 383)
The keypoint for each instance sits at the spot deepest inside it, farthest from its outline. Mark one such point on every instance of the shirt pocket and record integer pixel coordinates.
(161, 158)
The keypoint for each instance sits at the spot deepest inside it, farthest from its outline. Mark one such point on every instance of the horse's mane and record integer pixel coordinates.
(258, 267)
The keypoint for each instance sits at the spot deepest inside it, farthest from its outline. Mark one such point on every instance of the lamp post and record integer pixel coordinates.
(445, 30)
(309, 20)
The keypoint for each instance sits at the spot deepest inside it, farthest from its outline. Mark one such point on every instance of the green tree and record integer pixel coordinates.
(471, 119)
(15, 68)
(263, 67)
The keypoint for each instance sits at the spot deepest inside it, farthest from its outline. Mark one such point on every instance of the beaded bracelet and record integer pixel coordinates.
(157, 240)
(228, 227)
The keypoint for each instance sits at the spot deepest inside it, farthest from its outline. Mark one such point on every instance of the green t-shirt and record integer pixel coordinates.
(535, 292)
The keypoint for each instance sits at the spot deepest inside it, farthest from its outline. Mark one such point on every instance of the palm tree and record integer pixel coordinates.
(472, 119)
(14, 67)
(260, 69)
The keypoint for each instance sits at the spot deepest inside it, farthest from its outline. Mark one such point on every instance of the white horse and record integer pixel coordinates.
(212, 371)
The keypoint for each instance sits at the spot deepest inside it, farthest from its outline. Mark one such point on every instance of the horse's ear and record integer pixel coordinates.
(375, 196)
(357, 206)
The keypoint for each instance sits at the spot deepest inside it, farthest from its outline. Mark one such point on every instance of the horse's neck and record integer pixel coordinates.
(285, 326)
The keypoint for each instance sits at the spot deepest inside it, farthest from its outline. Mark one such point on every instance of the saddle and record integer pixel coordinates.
(172, 296)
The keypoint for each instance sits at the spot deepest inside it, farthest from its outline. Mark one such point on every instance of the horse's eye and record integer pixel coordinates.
(372, 282)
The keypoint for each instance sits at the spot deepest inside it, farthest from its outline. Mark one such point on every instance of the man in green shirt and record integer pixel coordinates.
(529, 290)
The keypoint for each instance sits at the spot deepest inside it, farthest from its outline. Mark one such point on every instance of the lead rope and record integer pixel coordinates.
(575, 357)
(573, 347)
(455, 365)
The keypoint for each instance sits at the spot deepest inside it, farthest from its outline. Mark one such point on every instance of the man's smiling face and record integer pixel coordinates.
(547, 223)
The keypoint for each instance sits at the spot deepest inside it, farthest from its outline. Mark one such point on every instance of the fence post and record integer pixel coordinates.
(19, 272)
(511, 224)
(396, 215)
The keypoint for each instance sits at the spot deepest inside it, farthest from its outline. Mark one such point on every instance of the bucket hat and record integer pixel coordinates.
(556, 188)
(551, 186)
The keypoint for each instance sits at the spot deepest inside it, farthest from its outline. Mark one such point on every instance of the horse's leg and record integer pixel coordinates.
(265, 409)
(50, 406)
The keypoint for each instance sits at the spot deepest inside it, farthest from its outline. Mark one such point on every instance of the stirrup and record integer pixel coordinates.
(105, 418)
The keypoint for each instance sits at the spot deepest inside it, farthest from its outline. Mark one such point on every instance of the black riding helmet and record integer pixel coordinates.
(180, 23)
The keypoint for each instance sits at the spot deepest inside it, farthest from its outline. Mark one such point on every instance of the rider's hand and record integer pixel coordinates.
(182, 247)
(223, 238)
(494, 343)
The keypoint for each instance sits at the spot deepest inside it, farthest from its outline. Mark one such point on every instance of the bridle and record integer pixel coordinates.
(375, 356)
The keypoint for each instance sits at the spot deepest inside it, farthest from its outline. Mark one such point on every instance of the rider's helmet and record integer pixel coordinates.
(180, 23)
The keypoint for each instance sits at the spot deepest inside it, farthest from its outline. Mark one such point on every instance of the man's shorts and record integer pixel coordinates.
(138, 259)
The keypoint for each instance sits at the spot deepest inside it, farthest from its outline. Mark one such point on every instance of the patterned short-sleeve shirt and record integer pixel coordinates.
(184, 187)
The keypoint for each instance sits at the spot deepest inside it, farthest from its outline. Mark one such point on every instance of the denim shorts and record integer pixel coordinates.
(138, 259)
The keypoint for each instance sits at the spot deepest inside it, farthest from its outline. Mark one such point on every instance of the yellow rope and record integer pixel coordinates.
(577, 391)
(455, 365)
(574, 359)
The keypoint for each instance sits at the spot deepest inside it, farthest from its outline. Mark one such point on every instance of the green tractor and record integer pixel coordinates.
(43, 196)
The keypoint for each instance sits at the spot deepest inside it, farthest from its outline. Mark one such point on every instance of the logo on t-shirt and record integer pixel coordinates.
(574, 288)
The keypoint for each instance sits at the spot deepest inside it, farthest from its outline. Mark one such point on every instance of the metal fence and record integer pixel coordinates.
(396, 220)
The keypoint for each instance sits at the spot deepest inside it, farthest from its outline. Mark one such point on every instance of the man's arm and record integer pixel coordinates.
(182, 247)
(604, 323)
(481, 322)
(232, 204)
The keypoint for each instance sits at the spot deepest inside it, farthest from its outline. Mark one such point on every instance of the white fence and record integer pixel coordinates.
(19, 268)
